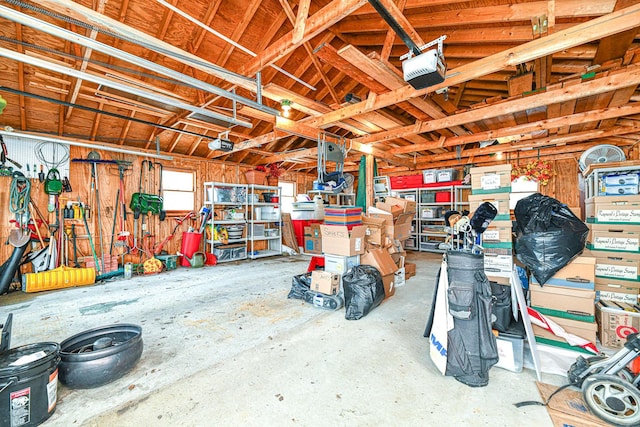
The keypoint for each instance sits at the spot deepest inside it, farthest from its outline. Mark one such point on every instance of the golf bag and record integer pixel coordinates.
(472, 348)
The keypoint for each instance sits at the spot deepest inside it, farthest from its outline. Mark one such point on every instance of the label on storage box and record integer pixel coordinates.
(616, 243)
(490, 182)
(616, 215)
(491, 235)
(618, 297)
(617, 271)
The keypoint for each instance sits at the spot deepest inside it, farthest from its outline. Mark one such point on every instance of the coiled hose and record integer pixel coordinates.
(19, 198)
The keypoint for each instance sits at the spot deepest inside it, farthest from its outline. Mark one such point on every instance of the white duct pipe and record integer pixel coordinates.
(21, 18)
(75, 143)
(115, 85)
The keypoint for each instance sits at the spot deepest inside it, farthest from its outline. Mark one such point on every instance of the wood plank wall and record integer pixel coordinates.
(564, 186)
(108, 184)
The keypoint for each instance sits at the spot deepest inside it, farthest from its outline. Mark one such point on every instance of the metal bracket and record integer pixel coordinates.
(437, 41)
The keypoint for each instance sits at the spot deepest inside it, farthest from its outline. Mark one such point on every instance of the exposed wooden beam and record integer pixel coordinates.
(631, 76)
(316, 23)
(300, 21)
(595, 29)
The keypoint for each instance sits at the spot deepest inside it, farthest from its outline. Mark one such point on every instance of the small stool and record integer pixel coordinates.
(316, 261)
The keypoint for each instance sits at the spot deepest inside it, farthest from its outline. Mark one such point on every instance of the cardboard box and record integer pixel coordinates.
(499, 200)
(613, 210)
(567, 408)
(617, 290)
(390, 204)
(615, 324)
(399, 277)
(325, 282)
(576, 304)
(398, 227)
(381, 259)
(498, 265)
(586, 330)
(498, 235)
(409, 270)
(616, 268)
(312, 245)
(376, 230)
(579, 273)
(614, 238)
(340, 264)
(491, 179)
(338, 240)
(338, 215)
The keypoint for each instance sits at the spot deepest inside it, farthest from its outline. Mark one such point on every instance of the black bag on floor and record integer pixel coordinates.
(363, 291)
(299, 286)
(501, 315)
(549, 235)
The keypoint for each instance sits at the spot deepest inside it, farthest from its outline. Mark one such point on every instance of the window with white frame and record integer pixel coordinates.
(288, 195)
(178, 190)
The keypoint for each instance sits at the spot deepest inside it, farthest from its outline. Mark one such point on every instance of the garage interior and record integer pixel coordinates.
(183, 164)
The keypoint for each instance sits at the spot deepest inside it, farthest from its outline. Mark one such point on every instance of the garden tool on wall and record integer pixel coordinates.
(191, 215)
(144, 202)
(123, 167)
(4, 169)
(53, 187)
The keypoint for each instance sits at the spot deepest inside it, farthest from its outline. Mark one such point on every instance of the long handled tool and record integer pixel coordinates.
(93, 249)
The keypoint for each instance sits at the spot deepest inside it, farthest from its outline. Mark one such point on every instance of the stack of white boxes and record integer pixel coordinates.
(613, 217)
(493, 184)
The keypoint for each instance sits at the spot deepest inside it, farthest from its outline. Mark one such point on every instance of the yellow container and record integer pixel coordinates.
(58, 278)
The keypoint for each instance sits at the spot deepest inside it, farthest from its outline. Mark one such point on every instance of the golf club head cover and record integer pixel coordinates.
(448, 216)
(483, 216)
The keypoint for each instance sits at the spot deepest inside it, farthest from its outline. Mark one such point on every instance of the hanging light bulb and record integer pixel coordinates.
(286, 107)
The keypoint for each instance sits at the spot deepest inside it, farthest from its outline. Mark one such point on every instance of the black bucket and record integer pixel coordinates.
(28, 384)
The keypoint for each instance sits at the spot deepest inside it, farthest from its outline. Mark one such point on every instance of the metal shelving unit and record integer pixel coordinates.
(430, 213)
(228, 204)
(264, 232)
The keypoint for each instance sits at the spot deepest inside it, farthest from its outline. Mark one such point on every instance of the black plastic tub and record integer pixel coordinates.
(98, 356)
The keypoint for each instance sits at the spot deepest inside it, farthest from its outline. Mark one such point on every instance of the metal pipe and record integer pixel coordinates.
(60, 140)
(97, 111)
(106, 82)
(228, 40)
(87, 42)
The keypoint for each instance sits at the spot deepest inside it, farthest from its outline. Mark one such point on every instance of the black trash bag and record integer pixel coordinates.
(363, 291)
(549, 235)
(300, 285)
(501, 310)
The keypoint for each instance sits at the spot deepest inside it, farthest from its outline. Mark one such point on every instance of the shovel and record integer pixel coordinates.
(19, 237)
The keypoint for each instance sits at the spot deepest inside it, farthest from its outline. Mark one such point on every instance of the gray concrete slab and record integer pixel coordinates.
(224, 346)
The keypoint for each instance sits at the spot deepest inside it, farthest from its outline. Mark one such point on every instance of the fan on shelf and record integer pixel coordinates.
(603, 153)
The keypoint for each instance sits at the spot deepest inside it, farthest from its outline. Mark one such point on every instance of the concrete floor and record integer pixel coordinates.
(224, 346)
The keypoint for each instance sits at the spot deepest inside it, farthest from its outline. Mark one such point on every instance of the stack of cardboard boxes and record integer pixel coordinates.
(614, 241)
(377, 242)
(493, 184)
(567, 298)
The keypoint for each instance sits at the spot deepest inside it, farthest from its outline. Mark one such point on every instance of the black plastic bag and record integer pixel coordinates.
(501, 310)
(300, 285)
(549, 235)
(363, 291)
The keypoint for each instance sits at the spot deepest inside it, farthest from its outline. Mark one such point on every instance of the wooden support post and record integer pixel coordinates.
(369, 186)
